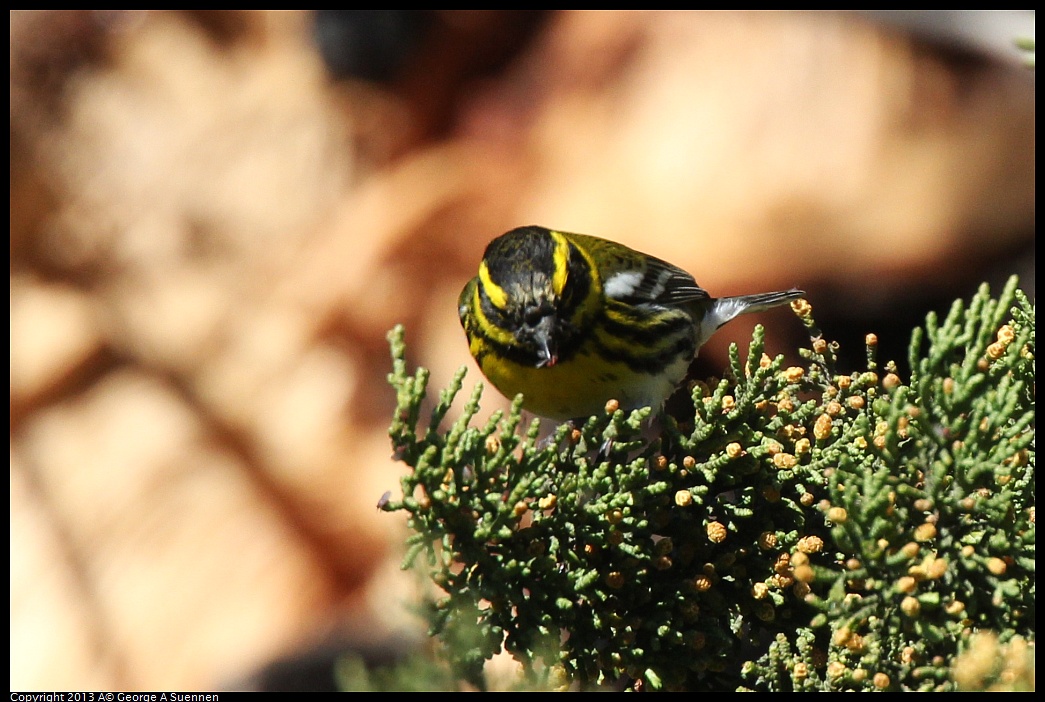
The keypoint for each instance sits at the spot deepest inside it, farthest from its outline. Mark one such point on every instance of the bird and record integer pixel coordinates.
(572, 321)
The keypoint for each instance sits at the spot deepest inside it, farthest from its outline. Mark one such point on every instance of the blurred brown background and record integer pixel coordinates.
(216, 217)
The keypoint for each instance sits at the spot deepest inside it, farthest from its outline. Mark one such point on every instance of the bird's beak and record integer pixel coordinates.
(545, 337)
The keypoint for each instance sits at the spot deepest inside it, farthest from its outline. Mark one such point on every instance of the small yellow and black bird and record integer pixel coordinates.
(572, 321)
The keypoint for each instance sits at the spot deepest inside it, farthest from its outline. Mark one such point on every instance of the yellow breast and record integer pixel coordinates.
(582, 385)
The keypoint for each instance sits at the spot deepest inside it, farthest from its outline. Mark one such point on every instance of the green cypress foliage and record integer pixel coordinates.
(805, 529)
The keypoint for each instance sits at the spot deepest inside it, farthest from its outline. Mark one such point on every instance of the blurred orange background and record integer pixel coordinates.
(213, 228)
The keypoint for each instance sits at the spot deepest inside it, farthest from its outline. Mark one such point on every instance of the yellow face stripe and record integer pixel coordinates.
(495, 292)
(498, 334)
(592, 302)
(561, 258)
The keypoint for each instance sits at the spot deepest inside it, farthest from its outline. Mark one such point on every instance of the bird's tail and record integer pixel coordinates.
(724, 309)
(743, 304)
